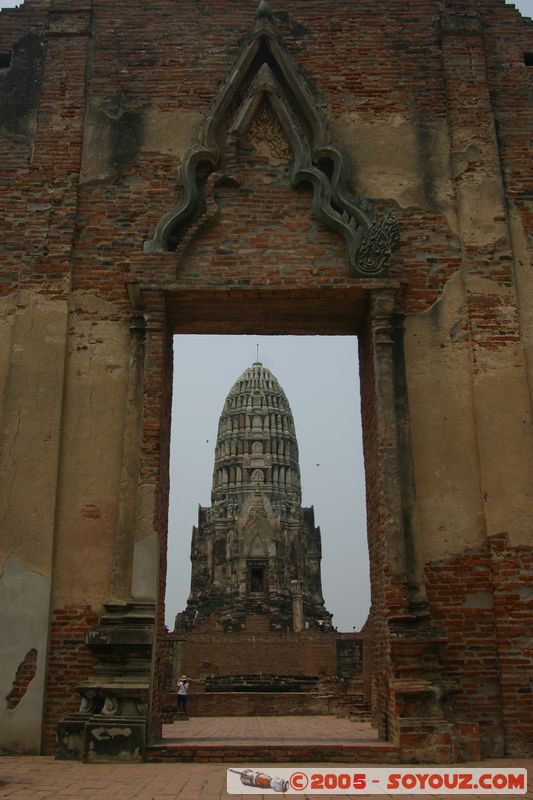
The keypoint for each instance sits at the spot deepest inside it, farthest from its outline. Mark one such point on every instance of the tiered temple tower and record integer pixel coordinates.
(256, 550)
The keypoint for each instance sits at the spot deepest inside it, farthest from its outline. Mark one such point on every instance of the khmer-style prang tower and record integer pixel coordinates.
(256, 550)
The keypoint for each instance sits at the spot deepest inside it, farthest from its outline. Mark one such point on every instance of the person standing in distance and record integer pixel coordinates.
(183, 690)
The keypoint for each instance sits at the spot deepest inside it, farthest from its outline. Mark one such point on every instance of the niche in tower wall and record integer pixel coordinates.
(257, 577)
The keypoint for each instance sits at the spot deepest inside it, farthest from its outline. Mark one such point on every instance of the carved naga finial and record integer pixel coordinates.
(263, 10)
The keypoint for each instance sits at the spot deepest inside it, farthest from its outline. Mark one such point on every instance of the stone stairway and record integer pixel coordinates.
(285, 739)
(273, 695)
(257, 623)
(351, 706)
(273, 753)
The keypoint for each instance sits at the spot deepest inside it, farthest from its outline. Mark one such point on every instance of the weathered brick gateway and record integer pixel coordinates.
(104, 257)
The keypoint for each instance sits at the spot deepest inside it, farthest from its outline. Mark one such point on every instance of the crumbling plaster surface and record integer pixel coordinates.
(523, 258)
(146, 551)
(31, 424)
(24, 609)
(98, 362)
(461, 398)
(480, 207)
(400, 157)
(438, 364)
(505, 438)
(168, 132)
(76, 457)
(7, 322)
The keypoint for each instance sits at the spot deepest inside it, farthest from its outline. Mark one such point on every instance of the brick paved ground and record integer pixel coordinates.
(43, 778)
(270, 730)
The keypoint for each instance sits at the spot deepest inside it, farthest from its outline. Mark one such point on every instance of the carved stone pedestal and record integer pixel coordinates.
(111, 722)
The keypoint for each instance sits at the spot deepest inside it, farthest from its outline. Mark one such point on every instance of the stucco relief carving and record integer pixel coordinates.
(265, 100)
(266, 135)
(111, 706)
(382, 238)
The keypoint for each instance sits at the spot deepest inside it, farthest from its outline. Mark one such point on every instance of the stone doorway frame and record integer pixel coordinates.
(410, 699)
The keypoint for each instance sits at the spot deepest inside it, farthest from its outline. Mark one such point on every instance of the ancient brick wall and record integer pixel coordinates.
(462, 599)
(307, 653)
(511, 581)
(99, 107)
(254, 704)
(69, 664)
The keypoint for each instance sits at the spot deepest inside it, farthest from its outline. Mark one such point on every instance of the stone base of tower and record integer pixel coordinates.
(256, 671)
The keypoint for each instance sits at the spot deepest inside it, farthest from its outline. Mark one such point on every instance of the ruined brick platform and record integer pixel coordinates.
(253, 704)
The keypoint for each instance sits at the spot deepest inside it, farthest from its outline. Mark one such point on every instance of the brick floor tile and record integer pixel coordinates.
(34, 778)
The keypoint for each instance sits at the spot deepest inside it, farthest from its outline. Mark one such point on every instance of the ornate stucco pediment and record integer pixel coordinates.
(266, 85)
(255, 538)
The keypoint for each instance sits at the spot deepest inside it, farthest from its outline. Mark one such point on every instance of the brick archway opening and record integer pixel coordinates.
(348, 312)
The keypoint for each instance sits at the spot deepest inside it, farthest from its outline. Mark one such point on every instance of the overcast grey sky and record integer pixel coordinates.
(320, 378)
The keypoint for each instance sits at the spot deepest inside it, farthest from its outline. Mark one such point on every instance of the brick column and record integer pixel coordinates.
(389, 488)
(487, 267)
(154, 484)
(297, 606)
(385, 527)
(501, 396)
(123, 696)
(53, 193)
(126, 522)
(410, 697)
(31, 406)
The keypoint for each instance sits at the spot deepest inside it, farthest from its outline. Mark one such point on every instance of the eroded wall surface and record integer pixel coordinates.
(98, 108)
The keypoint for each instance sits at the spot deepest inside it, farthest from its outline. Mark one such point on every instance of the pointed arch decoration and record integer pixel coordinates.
(265, 72)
